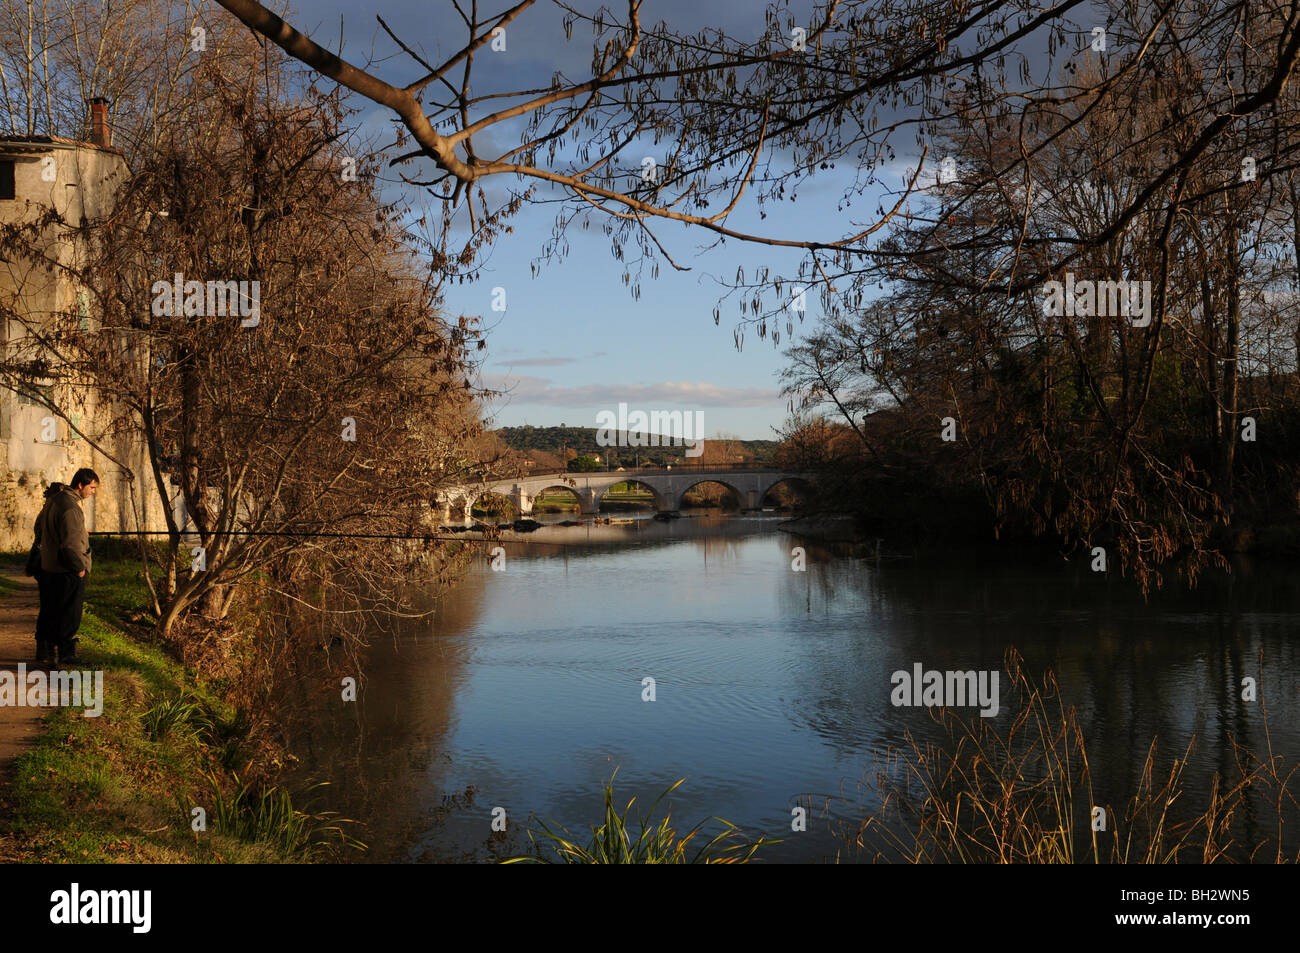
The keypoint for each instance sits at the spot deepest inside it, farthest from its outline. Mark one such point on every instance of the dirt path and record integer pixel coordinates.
(18, 725)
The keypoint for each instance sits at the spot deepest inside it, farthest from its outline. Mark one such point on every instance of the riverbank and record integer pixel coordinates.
(163, 775)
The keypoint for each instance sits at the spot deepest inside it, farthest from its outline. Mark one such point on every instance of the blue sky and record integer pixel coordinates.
(573, 341)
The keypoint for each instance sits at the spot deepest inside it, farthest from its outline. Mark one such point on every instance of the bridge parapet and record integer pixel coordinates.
(668, 486)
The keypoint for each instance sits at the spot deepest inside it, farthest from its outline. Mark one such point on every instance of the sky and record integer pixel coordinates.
(572, 341)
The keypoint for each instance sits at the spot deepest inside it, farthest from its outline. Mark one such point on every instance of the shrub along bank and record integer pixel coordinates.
(170, 772)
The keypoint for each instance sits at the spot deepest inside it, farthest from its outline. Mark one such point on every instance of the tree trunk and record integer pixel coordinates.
(1230, 352)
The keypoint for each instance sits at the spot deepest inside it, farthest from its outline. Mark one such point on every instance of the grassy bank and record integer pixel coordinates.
(124, 786)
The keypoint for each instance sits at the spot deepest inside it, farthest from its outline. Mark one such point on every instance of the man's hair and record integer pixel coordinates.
(82, 477)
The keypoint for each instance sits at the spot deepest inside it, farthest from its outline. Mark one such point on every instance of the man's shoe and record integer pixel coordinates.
(67, 654)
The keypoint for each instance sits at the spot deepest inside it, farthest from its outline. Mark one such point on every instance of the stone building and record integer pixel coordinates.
(38, 446)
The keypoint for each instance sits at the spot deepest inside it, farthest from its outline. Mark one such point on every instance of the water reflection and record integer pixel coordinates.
(771, 684)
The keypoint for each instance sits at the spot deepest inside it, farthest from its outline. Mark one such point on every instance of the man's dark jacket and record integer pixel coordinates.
(65, 544)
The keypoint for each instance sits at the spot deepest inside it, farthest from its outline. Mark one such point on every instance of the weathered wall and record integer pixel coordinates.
(37, 447)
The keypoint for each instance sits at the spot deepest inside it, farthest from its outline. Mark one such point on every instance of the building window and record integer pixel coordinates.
(83, 310)
(45, 390)
(7, 179)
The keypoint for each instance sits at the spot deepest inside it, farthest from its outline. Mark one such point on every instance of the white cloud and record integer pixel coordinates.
(521, 389)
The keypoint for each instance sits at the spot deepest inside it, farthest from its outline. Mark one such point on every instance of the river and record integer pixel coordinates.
(772, 686)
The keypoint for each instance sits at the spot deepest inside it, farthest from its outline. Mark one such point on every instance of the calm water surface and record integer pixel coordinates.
(772, 686)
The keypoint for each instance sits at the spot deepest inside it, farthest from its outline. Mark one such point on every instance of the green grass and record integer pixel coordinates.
(107, 789)
(655, 843)
(629, 491)
(116, 586)
(260, 813)
(174, 715)
(555, 503)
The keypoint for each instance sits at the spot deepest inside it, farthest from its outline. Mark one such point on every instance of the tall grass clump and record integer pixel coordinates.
(1024, 793)
(174, 715)
(266, 813)
(654, 843)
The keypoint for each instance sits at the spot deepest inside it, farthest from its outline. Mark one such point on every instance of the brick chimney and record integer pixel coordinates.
(100, 134)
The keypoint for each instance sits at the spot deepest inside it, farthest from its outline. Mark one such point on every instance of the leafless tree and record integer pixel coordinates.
(300, 438)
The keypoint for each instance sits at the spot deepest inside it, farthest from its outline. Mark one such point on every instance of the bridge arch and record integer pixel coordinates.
(803, 482)
(538, 492)
(662, 501)
(586, 497)
(454, 504)
(497, 495)
(709, 478)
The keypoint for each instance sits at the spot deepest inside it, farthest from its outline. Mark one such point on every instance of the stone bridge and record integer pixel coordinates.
(668, 486)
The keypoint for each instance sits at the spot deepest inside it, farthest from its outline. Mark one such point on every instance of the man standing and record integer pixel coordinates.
(44, 650)
(65, 562)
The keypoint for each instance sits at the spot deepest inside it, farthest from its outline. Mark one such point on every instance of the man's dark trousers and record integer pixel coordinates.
(63, 594)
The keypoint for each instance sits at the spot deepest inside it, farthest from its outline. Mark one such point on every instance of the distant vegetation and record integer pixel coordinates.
(569, 442)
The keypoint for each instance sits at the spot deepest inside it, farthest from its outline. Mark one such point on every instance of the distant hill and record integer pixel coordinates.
(582, 440)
